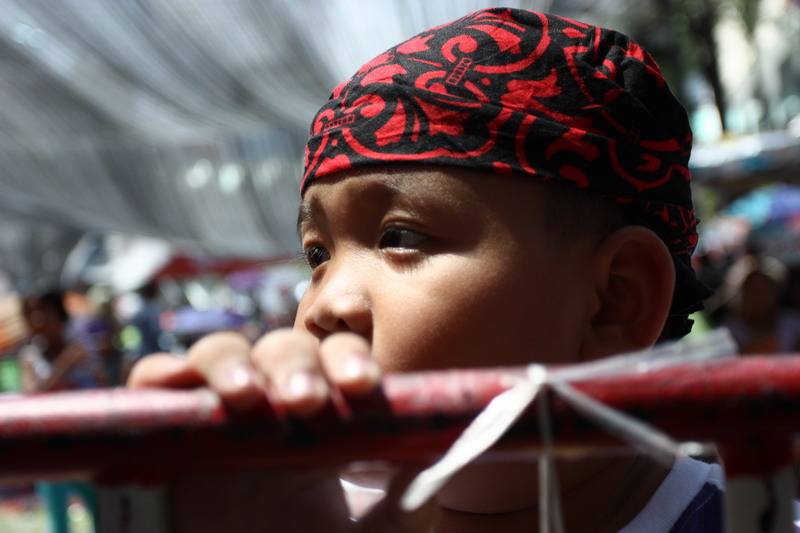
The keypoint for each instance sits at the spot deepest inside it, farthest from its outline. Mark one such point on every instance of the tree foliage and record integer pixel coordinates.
(681, 36)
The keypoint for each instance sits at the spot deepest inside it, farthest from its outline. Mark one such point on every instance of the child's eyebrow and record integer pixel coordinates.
(392, 185)
(305, 216)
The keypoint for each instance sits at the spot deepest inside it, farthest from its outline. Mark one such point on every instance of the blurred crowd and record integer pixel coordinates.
(91, 337)
(757, 297)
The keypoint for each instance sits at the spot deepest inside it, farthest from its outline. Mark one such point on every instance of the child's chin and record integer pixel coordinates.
(514, 487)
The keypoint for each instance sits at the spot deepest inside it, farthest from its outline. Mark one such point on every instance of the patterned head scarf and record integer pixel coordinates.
(517, 92)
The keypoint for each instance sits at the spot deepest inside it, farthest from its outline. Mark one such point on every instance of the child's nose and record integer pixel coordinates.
(341, 304)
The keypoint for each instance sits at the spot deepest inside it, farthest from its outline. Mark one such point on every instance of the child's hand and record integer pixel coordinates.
(73, 354)
(293, 369)
(70, 357)
(297, 372)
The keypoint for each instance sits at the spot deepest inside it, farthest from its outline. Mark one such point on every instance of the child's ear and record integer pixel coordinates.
(633, 281)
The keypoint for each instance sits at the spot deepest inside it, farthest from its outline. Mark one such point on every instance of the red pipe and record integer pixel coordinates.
(747, 405)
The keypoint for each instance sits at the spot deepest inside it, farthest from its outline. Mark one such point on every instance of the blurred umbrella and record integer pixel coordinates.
(125, 262)
(767, 205)
(189, 265)
(773, 212)
(191, 321)
(246, 280)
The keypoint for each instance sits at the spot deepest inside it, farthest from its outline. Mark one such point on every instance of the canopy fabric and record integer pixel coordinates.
(181, 119)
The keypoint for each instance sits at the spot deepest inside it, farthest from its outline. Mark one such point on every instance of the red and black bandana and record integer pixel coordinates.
(517, 92)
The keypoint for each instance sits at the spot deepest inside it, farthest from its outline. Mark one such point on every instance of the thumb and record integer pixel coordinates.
(388, 517)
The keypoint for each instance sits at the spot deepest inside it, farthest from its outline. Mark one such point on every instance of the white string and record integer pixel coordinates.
(617, 423)
(478, 437)
(549, 494)
(715, 345)
(503, 411)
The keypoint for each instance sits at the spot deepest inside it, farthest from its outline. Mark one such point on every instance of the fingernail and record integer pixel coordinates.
(235, 378)
(241, 377)
(304, 384)
(357, 366)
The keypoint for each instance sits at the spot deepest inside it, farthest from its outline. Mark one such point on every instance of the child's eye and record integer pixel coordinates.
(401, 238)
(316, 255)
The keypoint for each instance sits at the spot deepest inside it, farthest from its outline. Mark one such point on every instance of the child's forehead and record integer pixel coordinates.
(414, 182)
(413, 187)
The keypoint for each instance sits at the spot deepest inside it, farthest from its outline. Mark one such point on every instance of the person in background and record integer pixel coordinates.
(755, 316)
(55, 359)
(100, 332)
(146, 321)
(791, 296)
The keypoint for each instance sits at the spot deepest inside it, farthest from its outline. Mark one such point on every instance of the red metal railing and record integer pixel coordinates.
(748, 407)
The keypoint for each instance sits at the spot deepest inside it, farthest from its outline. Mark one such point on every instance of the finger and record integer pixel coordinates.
(223, 361)
(163, 370)
(290, 362)
(388, 517)
(348, 365)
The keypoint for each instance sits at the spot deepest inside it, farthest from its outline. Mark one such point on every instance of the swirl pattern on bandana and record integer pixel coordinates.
(524, 93)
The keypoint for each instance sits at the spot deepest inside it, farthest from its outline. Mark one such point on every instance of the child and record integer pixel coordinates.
(54, 360)
(508, 188)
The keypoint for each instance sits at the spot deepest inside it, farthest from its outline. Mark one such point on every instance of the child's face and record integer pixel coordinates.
(440, 267)
(42, 321)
